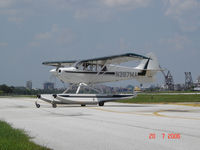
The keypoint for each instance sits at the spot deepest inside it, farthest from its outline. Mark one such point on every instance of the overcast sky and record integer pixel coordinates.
(33, 31)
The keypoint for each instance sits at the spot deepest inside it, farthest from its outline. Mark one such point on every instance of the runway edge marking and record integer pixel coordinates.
(120, 112)
(157, 113)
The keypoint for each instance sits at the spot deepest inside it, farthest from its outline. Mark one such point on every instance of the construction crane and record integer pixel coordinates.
(169, 81)
(188, 80)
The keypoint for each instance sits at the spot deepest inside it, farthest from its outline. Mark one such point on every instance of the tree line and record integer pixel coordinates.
(11, 90)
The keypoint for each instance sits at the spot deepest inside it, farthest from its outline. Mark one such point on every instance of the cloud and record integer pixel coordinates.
(176, 42)
(100, 10)
(88, 4)
(34, 44)
(128, 4)
(184, 12)
(56, 35)
(8, 12)
(3, 44)
(16, 10)
(43, 36)
(15, 19)
(98, 14)
(123, 44)
(6, 3)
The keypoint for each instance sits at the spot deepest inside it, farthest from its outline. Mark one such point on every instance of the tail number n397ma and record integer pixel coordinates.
(126, 74)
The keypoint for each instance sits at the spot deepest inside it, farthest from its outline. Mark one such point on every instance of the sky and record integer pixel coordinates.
(33, 31)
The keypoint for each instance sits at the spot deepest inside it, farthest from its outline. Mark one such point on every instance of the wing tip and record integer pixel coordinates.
(45, 63)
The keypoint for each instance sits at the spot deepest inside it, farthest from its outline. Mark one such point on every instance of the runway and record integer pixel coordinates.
(115, 126)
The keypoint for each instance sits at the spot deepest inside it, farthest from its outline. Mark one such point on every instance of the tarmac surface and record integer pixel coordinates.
(115, 126)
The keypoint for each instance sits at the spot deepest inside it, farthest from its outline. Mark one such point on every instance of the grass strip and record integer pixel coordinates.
(16, 139)
(145, 98)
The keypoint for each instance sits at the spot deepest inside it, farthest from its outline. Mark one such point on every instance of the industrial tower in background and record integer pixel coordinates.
(188, 80)
(169, 81)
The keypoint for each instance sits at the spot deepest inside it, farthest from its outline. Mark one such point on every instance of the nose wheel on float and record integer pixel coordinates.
(54, 105)
(37, 105)
(50, 99)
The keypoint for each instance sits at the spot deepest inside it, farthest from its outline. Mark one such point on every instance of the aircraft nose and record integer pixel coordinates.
(53, 71)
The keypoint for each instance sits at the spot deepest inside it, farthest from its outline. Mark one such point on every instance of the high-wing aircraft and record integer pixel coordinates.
(99, 70)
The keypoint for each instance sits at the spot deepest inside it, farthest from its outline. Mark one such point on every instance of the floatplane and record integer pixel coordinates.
(87, 72)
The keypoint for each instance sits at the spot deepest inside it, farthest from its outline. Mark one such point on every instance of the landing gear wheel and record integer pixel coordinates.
(53, 104)
(37, 105)
(83, 105)
(101, 103)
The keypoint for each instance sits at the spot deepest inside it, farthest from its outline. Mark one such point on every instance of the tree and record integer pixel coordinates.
(6, 89)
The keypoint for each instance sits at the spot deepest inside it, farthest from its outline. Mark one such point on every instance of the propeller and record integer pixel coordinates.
(59, 65)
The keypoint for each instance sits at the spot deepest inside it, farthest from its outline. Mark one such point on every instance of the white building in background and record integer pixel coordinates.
(48, 86)
(197, 84)
(198, 80)
(29, 84)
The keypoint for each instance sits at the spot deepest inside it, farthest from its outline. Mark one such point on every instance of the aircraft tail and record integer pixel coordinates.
(149, 68)
(153, 63)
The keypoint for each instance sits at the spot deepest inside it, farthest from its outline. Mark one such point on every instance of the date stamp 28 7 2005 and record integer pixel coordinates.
(166, 136)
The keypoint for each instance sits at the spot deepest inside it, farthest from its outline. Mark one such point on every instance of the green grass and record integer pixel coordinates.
(16, 139)
(146, 98)
(173, 92)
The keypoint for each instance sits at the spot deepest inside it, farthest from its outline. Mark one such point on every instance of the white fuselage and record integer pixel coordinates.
(111, 74)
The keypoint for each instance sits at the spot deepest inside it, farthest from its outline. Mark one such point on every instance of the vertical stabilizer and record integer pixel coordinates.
(153, 63)
(149, 68)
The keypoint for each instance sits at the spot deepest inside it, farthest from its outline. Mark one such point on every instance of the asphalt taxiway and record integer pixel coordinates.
(115, 126)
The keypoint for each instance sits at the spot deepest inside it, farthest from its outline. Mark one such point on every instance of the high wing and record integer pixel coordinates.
(59, 63)
(114, 59)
